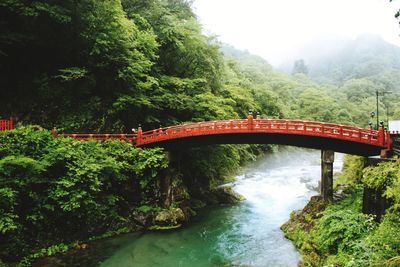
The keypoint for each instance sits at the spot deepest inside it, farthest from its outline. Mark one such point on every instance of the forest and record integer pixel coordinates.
(110, 66)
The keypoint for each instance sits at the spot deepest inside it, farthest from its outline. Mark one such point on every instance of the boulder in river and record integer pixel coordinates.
(226, 195)
(170, 218)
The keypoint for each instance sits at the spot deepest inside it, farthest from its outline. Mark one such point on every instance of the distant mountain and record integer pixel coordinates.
(337, 61)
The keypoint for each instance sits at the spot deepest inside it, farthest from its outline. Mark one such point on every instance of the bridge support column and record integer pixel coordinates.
(165, 183)
(327, 159)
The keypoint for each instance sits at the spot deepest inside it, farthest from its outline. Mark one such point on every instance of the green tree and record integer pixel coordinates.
(300, 67)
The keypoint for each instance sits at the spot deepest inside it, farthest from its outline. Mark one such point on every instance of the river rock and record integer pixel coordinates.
(226, 195)
(170, 217)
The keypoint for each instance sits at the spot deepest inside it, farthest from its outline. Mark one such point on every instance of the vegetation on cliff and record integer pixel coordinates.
(56, 191)
(339, 233)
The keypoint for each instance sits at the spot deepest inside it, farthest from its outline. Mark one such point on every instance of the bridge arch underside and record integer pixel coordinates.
(305, 141)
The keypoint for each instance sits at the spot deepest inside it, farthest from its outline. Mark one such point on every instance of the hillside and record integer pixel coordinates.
(366, 56)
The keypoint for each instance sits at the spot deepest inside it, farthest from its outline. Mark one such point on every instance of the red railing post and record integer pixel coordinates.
(250, 121)
(381, 136)
(11, 123)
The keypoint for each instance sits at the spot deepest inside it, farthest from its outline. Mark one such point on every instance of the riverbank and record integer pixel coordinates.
(244, 234)
(339, 233)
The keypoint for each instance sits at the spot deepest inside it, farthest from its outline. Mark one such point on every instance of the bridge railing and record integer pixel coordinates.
(6, 125)
(327, 130)
(250, 125)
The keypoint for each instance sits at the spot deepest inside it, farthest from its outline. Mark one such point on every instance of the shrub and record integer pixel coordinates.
(338, 230)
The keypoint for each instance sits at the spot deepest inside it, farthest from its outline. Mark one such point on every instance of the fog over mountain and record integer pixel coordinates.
(338, 60)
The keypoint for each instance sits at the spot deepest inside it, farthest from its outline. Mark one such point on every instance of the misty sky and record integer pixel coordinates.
(277, 29)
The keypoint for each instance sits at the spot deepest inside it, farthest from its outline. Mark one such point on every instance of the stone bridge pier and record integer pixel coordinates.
(327, 159)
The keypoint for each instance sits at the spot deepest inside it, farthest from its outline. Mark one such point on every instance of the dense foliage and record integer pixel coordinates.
(61, 190)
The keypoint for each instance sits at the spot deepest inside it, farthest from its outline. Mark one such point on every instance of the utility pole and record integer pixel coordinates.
(377, 107)
(387, 115)
(377, 110)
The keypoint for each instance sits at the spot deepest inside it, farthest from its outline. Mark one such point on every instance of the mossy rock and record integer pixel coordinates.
(170, 217)
(226, 195)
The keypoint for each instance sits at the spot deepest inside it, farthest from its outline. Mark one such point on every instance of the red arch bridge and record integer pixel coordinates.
(328, 137)
(309, 134)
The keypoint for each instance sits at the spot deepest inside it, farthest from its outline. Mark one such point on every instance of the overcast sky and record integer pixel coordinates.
(275, 29)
